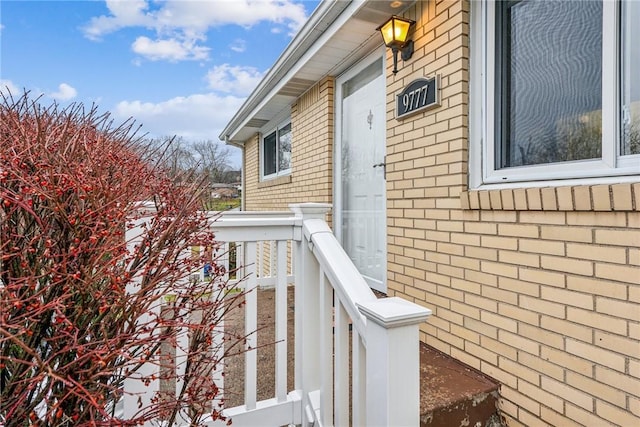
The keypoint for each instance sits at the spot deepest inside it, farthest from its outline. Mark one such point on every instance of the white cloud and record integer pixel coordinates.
(238, 45)
(171, 49)
(200, 15)
(15, 90)
(124, 13)
(65, 92)
(198, 117)
(233, 79)
(7, 87)
(179, 25)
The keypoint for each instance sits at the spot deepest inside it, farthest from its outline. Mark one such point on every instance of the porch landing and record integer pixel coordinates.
(451, 394)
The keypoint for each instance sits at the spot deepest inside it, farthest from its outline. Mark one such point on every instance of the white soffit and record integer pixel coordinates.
(337, 35)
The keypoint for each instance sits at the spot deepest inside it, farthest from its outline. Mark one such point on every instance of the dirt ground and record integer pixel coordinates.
(233, 388)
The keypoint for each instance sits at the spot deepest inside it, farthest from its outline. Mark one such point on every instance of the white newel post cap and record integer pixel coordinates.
(394, 312)
(310, 210)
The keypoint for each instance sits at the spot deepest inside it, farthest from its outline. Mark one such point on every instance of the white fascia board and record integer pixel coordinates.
(312, 51)
(287, 62)
(231, 142)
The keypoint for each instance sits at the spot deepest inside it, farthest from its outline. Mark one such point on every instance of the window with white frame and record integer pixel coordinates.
(276, 152)
(559, 90)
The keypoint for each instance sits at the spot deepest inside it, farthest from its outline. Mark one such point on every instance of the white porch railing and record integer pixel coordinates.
(333, 304)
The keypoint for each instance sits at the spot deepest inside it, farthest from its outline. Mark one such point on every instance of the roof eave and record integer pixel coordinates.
(337, 34)
(323, 15)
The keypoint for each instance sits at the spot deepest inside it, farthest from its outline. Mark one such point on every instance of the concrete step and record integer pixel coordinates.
(453, 394)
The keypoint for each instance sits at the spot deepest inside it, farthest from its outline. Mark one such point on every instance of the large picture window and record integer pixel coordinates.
(548, 82)
(276, 152)
(559, 89)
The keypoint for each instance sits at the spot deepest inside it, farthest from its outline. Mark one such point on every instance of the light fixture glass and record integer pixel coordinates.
(395, 31)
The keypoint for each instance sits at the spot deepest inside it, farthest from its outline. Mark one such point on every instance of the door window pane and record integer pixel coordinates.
(630, 78)
(549, 81)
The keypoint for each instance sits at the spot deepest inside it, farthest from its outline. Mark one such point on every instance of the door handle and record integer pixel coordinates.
(382, 165)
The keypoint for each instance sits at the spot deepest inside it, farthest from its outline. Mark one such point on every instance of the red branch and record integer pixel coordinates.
(79, 303)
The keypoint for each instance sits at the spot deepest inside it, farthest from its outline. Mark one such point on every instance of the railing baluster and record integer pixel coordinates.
(281, 321)
(291, 253)
(182, 344)
(273, 270)
(341, 336)
(226, 258)
(260, 259)
(359, 363)
(251, 325)
(217, 348)
(241, 270)
(326, 351)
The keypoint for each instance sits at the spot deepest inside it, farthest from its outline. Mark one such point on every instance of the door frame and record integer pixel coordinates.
(337, 145)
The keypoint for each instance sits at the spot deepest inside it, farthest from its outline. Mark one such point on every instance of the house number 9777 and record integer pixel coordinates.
(421, 94)
(415, 98)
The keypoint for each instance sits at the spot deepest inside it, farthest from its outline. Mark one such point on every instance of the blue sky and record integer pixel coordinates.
(178, 67)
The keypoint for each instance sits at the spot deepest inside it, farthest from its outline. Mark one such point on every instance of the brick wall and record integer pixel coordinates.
(540, 287)
(311, 156)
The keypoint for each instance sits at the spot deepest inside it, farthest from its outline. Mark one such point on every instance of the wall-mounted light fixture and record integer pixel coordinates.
(395, 33)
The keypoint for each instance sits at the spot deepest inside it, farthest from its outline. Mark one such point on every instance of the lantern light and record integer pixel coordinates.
(395, 33)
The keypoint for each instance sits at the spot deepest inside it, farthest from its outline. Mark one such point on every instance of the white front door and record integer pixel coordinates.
(360, 169)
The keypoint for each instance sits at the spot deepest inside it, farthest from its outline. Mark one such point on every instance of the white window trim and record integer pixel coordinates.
(266, 131)
(611, 168)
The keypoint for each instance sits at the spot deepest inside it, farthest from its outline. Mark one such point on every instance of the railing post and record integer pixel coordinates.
(307, 310)
(393, 361)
